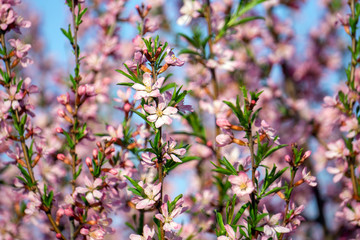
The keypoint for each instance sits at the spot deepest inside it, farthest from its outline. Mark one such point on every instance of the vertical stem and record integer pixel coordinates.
(292, 172)
(76, 107)
(23, 144)
(160, 161)
(253, 205)
(350, 83)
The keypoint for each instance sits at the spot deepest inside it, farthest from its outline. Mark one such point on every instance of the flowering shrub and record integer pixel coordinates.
(205, 139)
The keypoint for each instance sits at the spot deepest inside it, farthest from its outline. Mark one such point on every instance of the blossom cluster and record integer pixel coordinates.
(213, 122)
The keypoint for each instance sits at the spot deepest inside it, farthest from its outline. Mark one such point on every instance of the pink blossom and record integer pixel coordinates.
(148, 234)
(231, 235)
(91, 190)
(87, 90)
(167, 218)
(20, 48)
(269, 131)
(225, 139)
(148, 89)
(272, 226)
(311, 180)
(94, 233)
(351, 126)
(353, 214)
(28, 87)
(189, 10)
(160, 114)
(339, 171)
(152, 192)
(172, 152)
(337, 150)
(63, 99)
(241, 184)
(172, 60)
(295, 217)
(7, 16)
(223, 123)
(33, 206)
(147, 159)
(12, 97)
(115, 133)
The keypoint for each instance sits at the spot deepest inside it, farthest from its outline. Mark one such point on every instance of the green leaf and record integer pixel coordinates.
(130, 226)
(241, 11)
(167, 87)
(240, 212)
(68, 139)
(189, 51)
(125, 84)
(144, 117)
(245, 20)
(135, 184)
(221, 223)
(78, 172)
(274, 190)
(228, 165)
(274, 149)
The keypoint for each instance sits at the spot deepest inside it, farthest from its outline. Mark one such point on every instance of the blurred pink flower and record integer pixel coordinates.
(241, 184)
(148, 234)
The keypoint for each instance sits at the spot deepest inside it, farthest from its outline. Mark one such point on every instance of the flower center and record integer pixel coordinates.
(159, 112)
(243, 186)
(148, 89)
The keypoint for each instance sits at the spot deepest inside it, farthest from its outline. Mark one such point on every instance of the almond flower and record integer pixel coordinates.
(231, 235)
(94, 233)
(225, 139)
(339, 170)
(91, 190)
(160, 114)
(272, 226)
(152, 193)
(311, 180)
(147, 159)
(20, 48)
(12, 97)
(34, 204)
(167, 218)
(241, 184)
(172, 60)
(172, 152)
(148, 89)
(337, 150)
(353, 215)
(148, 234)
(189, 10)
(7, 16)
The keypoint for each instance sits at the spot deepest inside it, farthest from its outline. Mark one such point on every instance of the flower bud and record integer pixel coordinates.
(223, 140)
(113, 171)
(61, 157)
(61, 113)
(88, 162)
(59, 130)
(287, 159)
(82, 90)
(63, 99)
(127, 107)
(69, 212)
(223, 123)
(95, 153)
